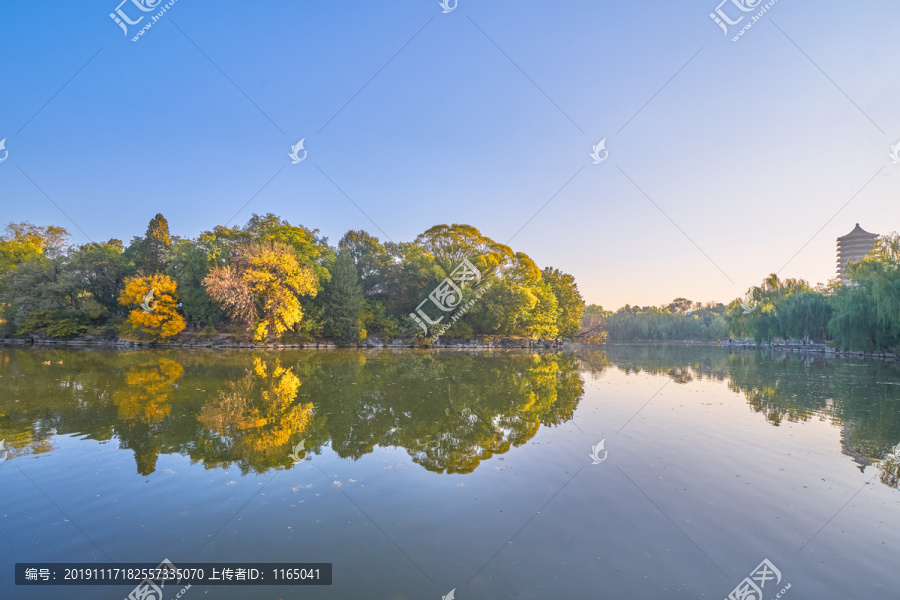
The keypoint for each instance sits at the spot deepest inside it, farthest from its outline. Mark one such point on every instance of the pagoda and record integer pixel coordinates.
(853, 247)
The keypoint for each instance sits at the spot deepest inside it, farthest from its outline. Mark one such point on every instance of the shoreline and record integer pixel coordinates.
(478, 343)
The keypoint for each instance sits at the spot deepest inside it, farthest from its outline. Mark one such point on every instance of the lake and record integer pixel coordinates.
(635, 472)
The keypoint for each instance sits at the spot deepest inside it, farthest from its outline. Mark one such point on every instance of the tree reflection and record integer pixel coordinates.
(450, 411)
(253, 420)
(145, 395)
(850, 394)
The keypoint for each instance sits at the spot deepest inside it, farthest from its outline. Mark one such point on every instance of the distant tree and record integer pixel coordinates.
(680, 306)
(593, 325)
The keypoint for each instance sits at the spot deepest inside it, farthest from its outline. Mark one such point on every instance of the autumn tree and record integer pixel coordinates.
(153, 306)
(261, 287)
(21, 241)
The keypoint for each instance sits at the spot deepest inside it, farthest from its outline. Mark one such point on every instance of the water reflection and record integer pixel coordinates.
(252, 421)
(450, 411)
(860, 397)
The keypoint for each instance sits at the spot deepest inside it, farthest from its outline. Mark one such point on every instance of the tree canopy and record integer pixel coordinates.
(269, 278)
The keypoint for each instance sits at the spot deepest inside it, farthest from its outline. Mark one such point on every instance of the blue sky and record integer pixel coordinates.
(727, 160)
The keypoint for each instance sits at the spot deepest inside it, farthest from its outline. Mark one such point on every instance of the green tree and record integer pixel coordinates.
(189, 263)
(804, 314)
(568, 299)
(149, 253)
(342, 300)
(371, 258)
(100, 270)
(22, 241)
(867, 312)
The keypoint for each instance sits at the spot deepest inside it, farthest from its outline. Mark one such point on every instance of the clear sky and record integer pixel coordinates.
(727, 160)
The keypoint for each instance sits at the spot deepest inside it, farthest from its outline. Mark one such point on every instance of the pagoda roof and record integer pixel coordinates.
(859, 232)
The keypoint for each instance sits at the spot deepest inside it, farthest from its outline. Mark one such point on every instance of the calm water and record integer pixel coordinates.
(421, 472)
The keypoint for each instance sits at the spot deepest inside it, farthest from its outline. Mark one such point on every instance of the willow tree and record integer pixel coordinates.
(867, 313)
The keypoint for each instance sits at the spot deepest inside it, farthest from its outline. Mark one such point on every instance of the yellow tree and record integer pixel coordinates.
(154, 308)
(261, 287)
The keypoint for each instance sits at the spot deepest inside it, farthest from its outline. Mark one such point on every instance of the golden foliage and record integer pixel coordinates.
(146, 395)
(260, 423)
(261, 289)
(160, 323)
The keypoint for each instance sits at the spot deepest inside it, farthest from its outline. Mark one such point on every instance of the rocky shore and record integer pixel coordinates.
(226, 341)
(804, 348)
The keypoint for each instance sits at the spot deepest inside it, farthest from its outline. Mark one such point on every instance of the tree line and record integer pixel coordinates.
(270, 280)
(862, 314)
